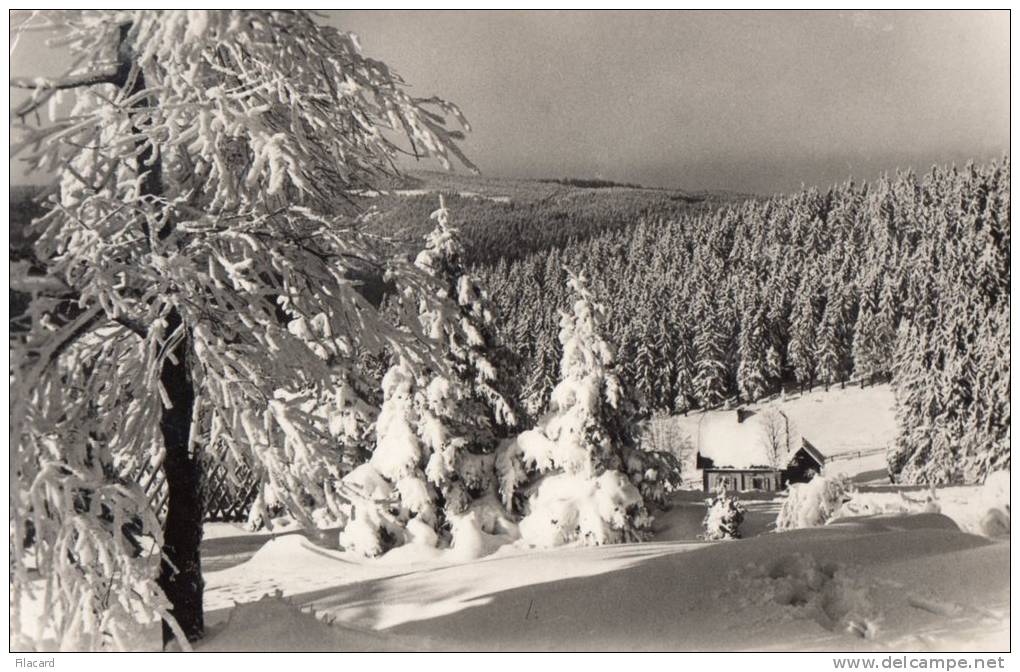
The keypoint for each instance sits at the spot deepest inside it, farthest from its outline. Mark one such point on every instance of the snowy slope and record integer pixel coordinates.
(879, 583)
(844, 420)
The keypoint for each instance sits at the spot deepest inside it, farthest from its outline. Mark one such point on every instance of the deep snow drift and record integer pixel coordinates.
(879, 582)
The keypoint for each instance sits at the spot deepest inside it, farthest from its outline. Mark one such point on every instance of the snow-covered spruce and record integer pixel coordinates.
(723, 517)
(568, 475)
(441, 420)
(392, 502)
(813, 503)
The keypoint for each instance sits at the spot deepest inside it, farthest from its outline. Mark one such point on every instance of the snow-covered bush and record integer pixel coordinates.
(978, 509)
(723, 517)
(568, 475)
(813, 503)
(995, 498)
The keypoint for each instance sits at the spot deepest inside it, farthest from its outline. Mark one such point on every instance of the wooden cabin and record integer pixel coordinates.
(732, 454)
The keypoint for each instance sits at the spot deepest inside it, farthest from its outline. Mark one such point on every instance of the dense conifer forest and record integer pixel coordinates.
(906, 277)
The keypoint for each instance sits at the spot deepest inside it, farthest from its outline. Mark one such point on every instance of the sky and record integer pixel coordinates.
(742, 101)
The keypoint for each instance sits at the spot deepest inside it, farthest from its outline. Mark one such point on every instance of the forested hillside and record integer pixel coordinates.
(905, 277)
(507, 218)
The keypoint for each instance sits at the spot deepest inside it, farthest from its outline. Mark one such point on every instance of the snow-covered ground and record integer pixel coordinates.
(879, 583)
(883, 582)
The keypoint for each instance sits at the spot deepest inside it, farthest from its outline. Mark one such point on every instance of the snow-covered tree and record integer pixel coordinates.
(866, 349)
(571, 470)
(683, 382)
(774, 364)
(803, 330)
(392, 500)
(710, 355)
(752, 371)
(200, 174)
(468, 406)
(440, 423)
(830, 347)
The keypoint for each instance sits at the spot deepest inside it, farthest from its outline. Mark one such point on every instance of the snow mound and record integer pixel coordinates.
(229, 530)
(898, 522)
(280, 552)
(978, 509)
(482, 530)
(274, 624)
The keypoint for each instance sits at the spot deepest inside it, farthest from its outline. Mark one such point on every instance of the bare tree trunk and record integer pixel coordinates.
(180, 574)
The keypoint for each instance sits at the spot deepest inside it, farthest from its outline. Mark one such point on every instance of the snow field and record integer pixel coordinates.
(876, 583)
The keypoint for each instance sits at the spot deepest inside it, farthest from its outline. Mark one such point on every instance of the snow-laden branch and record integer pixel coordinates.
(69, 82)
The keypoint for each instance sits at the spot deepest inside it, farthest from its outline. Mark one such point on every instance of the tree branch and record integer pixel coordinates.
(131, 325)
(70, 82)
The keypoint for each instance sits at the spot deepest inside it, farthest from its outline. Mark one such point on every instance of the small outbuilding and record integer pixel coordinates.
(804, 464)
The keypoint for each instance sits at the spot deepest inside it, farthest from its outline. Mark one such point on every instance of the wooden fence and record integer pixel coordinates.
(855, 453)
(227, 493)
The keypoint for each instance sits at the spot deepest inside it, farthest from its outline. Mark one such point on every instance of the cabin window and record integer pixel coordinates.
(727, 482)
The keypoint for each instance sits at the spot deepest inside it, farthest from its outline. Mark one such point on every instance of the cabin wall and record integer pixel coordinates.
(741, 479)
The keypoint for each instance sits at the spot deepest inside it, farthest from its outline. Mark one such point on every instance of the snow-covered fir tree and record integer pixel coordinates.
(866, 349)
(392, 501)
(683, 382)
(830, 353)
(442, 418)
(578, 475)
(752, 351)
(803, 329)
(710, 357)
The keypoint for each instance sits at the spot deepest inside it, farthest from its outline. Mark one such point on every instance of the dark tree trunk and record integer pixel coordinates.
(180, 570)
(180, 574)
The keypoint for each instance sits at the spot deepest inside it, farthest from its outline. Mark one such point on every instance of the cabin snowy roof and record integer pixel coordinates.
(836, 422)
(731, 443)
